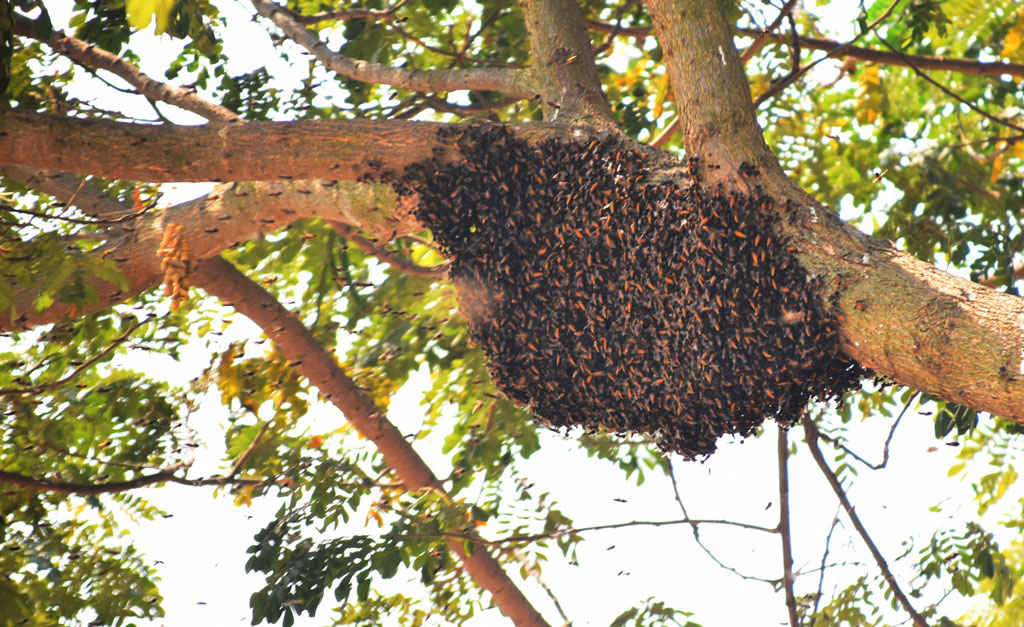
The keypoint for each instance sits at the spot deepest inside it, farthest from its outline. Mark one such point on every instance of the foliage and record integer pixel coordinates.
(83, 402)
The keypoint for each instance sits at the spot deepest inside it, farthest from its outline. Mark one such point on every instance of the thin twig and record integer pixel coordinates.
(962, 66)
(790, 79)
(695, 526)
(35, 389)
(237, 467)
(888, 440)
(946, 90)
(762, 39)
(535, 573)
(398, 262)
(40, 214)
(567, 531)
(787, 542)
(824, 561)
(811, 434)
(166, 475)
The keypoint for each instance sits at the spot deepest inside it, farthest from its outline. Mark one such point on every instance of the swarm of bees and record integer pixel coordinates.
(608, 300)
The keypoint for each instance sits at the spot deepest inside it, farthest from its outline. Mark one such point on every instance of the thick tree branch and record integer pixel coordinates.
(787, 541)
(563, 63)
(332, 150)
(231, 213)
(811, 436)
(256, 151)
(93, 56)
(503, 80)
(716, 118)
(300, 347)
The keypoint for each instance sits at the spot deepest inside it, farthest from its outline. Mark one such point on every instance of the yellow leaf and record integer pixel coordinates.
(244, 496)
(869, 75)
(140, 13)
(315, 442)
(1013, 42)
(997, 168)
(664, 91)
(866, 115)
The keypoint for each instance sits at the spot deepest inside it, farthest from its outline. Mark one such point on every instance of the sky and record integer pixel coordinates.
(200, 550)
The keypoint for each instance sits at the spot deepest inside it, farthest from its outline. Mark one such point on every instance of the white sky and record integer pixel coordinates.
(201, 549)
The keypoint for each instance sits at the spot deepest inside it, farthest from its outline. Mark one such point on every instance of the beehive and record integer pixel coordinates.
(608, 300)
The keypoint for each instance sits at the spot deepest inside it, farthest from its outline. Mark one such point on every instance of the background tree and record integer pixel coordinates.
(910, 126)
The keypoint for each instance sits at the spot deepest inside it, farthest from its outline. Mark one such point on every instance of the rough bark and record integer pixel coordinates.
(564, 63)
(253, 151)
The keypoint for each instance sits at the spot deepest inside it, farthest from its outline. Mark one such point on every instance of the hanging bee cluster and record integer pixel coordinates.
(606, 300)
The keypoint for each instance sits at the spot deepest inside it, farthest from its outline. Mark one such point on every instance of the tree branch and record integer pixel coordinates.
(811, 436)
(764, 35)
(695, 527)
(166, 475)
(440, 271)
(345, 15)
(254, 151)
(888, 440)
(942, 64)
(93, 56)
(717, 119)
(946, 90)
(229, 214)
(85, 365)
(300, 347)
(787, 542)
(563, 63)
(945, 64)
(502, 80)
(824, 563)
(60, 487)
(67, 187)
